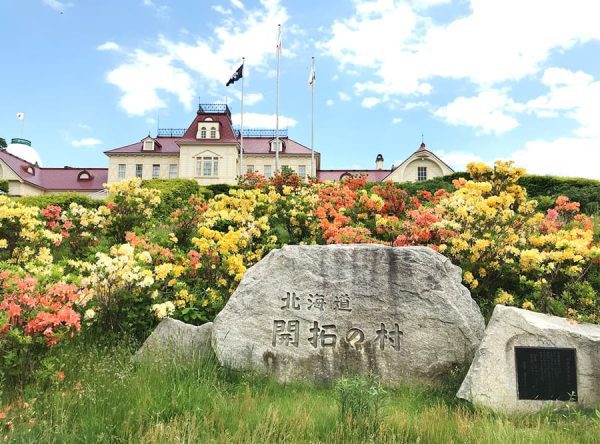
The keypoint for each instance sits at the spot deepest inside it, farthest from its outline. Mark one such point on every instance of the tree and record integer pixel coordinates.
(2, 143)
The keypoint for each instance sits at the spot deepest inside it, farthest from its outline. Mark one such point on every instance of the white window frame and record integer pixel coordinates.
(249, 168)
(421, 173)
(139, 170)
(302, 171)
(148, 145)
(122, 171)
(155, 171)
(207, 166)
(267, 171)
(172, 171)
(203, 132)
(213, 133)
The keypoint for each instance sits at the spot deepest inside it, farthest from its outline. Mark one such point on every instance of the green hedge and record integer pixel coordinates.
(172, 191)
(62, 200)
(4, 186)
(544, 189)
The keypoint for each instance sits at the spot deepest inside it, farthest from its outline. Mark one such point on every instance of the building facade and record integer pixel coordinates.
(26, 177)
(208, 151)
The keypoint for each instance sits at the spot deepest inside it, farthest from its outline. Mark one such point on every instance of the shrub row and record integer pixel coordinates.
(63, 200)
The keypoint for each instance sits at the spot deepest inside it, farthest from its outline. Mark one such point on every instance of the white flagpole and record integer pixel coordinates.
(277, 103)
(242, 123)
(312, 123)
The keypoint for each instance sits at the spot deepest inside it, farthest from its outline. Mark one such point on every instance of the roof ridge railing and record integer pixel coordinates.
(261, 133)
(171, 132)
(209, 108)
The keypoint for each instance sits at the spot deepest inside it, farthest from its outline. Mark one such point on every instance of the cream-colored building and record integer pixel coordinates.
(209, 152)
(420, 165)
(20, 167)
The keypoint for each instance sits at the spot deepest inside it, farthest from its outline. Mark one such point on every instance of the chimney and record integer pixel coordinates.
(379, 162)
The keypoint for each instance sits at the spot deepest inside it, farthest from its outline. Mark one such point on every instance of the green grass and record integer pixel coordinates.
(105, 397)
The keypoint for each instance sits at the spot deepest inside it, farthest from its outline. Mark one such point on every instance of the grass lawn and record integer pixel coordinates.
(105, 397)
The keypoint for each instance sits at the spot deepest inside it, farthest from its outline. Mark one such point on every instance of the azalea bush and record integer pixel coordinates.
(34, 316)
(127, 263)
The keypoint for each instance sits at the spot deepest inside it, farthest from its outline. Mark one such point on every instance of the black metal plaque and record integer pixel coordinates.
(546, 373)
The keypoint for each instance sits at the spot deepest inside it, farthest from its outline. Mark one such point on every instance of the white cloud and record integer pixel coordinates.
(249, 98)
(178, 67)
(574, 93)
(221, 9)
(109, 46)
(329, 102)
(458, 160)
(143, 76)
(85, 126)
(424, 4)
(496, 41)
(487, 112)
(86, 142)
(57, 5)
(568, 156)
(370, 102)
(238, 4)
(344, 97)
(397, 120)
(257, 120)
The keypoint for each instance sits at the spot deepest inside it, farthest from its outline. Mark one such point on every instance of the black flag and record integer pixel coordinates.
(237, 75)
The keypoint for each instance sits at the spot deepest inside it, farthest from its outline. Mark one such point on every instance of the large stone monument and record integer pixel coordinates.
(528, 361)
(318, 312)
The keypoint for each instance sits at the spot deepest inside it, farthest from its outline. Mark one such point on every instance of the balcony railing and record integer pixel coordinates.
(214, 108)
(171, 132)
(261, 133)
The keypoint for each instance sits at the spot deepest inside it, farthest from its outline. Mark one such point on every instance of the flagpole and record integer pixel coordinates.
(242, 123)
(277, 102)
(312, 123)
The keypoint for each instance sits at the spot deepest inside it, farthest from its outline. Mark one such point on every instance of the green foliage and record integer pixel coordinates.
(62, 200)
(173, 192)
(4, 186)
(220, 188)
(584, 191)
(3, 143)
(360, 401)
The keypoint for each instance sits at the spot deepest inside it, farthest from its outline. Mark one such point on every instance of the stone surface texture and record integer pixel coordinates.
(492, 378)
(401, 313)
(173, 339)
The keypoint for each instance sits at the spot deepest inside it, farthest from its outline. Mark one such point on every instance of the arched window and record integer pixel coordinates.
(213, 133)
(203, 132)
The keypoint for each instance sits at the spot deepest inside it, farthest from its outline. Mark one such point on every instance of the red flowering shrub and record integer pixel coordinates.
(33, 317)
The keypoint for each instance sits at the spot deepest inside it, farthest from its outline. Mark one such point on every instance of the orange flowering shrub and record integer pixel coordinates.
(33, 317)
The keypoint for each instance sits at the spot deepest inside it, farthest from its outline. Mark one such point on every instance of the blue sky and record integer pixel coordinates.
(482, 79)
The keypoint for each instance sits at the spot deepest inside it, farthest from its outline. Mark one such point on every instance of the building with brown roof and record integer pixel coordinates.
(208, 151)
(27, 178)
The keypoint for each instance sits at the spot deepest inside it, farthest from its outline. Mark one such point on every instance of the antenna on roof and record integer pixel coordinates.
(422, 138)
(157, 123)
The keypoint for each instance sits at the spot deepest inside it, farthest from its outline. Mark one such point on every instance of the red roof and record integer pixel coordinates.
(225, 128)
(56, 179)
(372, 175)
(262, 145)
(168, 146)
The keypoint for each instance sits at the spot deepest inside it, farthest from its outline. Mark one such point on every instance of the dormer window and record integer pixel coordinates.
(208, 129)
(29, 169)
(148, 144)
(84, 175)
(274, 146)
